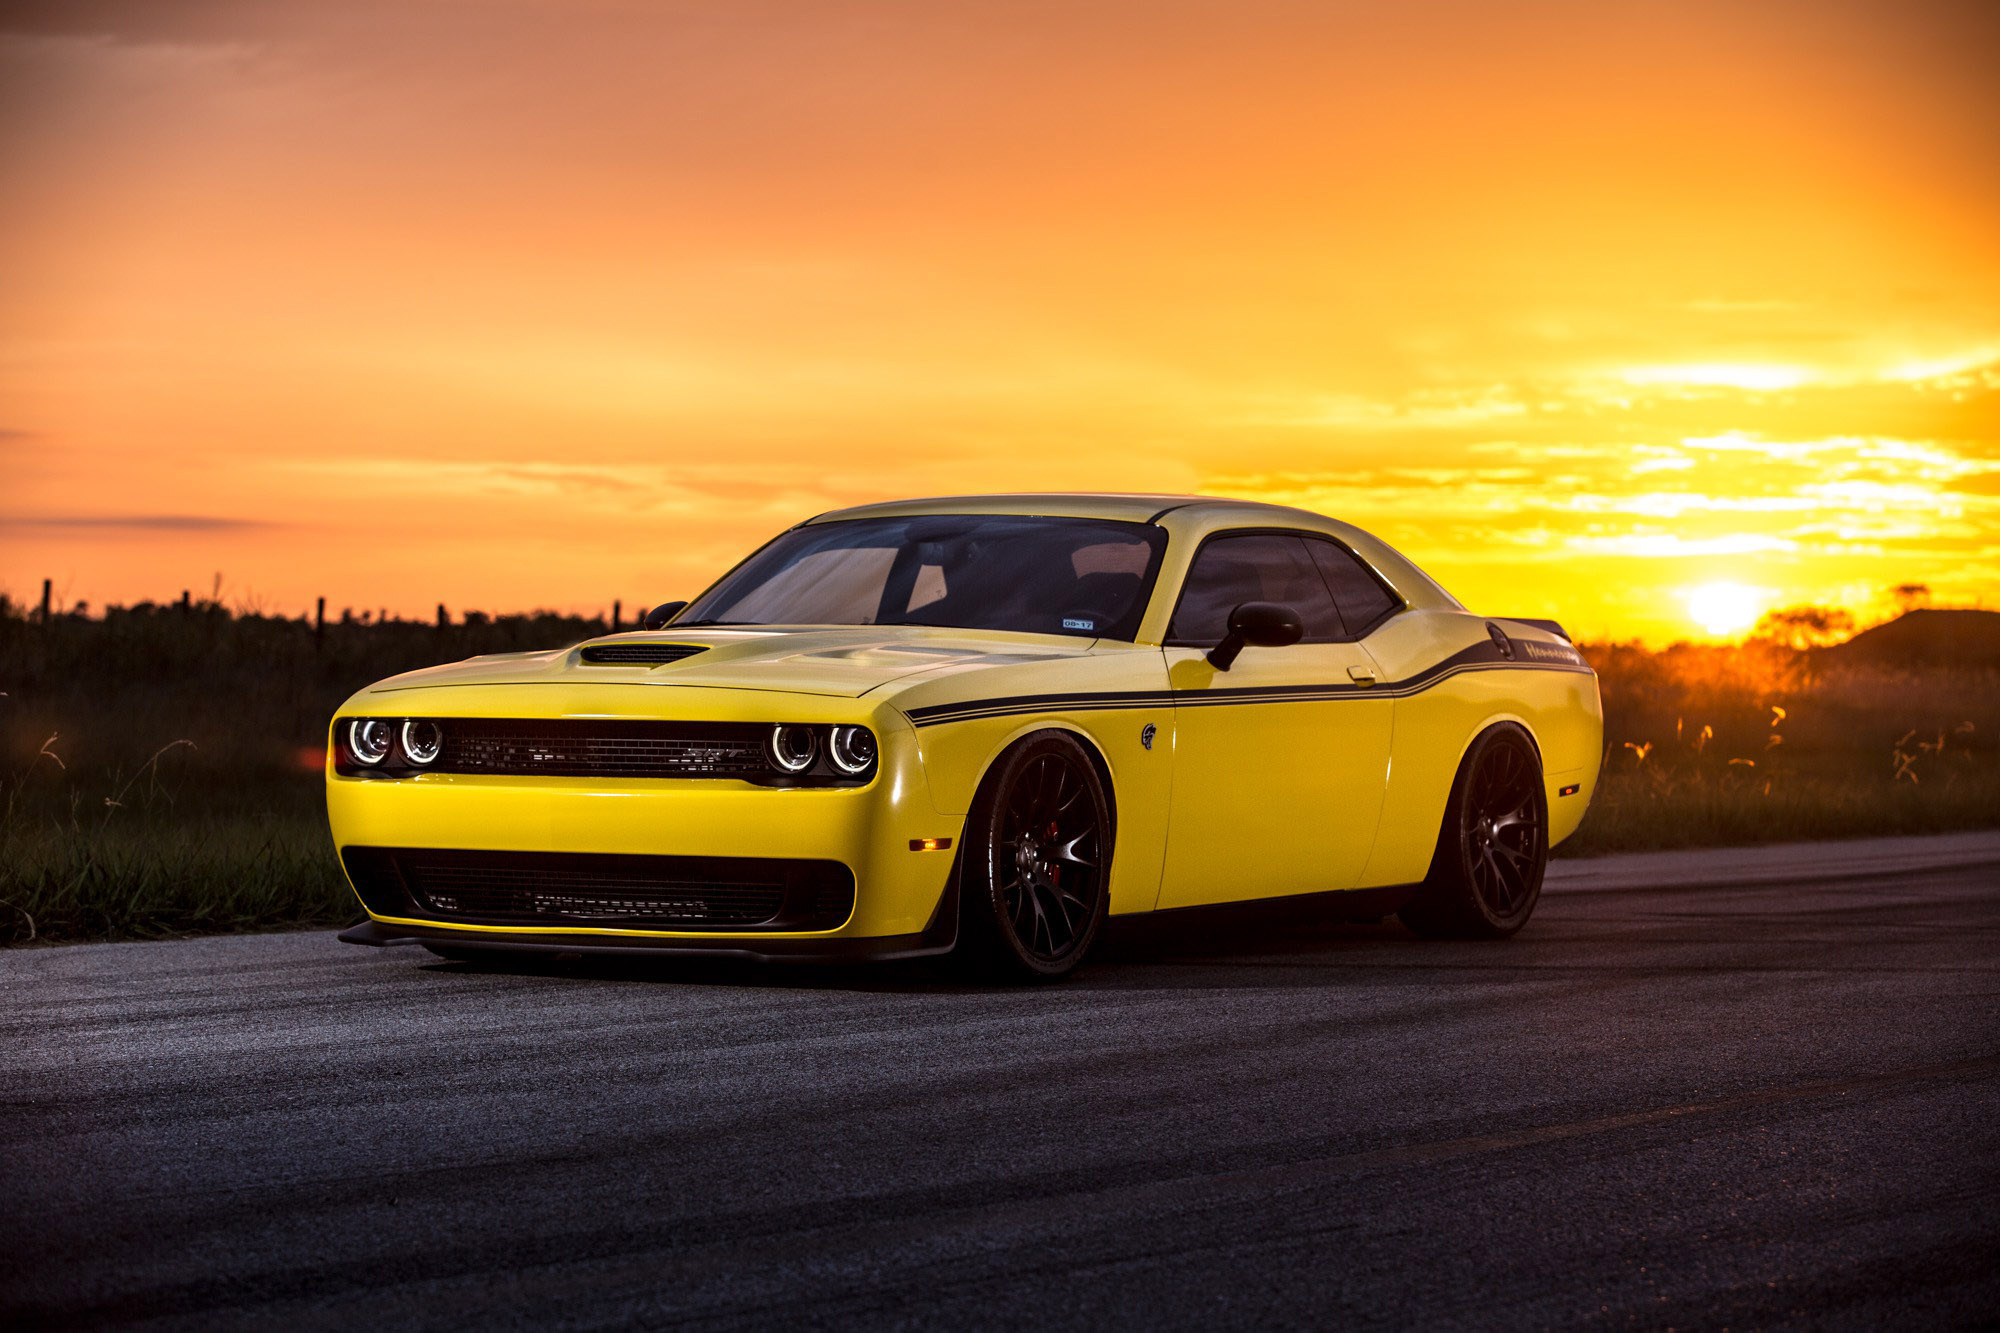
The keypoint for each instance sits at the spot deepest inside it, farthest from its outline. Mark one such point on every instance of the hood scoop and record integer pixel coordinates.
(639, 654)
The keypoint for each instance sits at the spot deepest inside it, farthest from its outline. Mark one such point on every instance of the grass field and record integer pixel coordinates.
(161, 764)
(1716, 746)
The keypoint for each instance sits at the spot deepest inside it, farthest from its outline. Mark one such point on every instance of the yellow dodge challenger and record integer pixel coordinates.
(979, 725)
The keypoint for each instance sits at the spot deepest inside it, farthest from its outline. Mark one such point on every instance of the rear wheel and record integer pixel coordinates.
(1037, 861)
(1486, 874)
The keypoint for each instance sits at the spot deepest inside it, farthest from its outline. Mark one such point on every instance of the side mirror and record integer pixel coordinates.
(658, 617)
(1266, 624)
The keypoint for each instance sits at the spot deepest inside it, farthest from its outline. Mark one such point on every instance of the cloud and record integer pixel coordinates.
(1984, 483)
(1749, 376)
(1658, 545)
(115, 523)
(1424, 410)
(1952, 398)
(137, 21)
(1700, 499)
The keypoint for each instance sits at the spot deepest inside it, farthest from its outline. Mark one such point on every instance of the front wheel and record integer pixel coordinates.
(1037, 861)
(1486, 874)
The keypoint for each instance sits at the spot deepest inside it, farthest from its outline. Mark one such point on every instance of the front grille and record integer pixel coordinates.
(648, 654)
(589, 749)
(588, 889)
(598, 748)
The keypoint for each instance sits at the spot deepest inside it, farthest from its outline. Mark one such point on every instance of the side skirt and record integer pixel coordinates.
(1359, 905)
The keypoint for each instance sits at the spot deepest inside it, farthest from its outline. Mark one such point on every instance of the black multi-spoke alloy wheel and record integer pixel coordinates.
(1037, 860)
(1487, 872)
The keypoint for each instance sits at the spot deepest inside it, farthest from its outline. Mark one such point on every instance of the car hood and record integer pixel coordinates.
(844, 661)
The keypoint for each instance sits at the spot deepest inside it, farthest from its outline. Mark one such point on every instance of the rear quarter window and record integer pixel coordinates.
(1363, 600)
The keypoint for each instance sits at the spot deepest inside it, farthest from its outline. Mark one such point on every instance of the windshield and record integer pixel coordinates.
(1079, 576)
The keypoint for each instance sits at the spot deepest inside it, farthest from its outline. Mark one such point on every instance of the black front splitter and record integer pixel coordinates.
(850, 949)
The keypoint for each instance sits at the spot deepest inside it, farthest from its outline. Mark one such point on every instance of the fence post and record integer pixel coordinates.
(444, 616)
(47, 587)
(617, 612)
(319, 623)
(187, 599)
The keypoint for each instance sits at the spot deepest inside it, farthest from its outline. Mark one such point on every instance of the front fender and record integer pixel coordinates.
(956, 757)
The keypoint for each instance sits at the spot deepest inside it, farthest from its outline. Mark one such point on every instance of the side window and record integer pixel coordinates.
(1254, 567)
(1362, 599)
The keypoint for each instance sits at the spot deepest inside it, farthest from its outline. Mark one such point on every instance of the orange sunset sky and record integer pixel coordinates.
(540, 302)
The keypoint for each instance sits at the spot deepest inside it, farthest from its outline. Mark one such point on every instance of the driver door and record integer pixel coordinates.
(1280, 762)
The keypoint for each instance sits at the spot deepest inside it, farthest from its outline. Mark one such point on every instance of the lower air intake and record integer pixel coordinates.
(582, 889)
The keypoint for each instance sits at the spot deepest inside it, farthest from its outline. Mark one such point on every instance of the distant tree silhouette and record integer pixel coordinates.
(1804, 626)
(1911, 596)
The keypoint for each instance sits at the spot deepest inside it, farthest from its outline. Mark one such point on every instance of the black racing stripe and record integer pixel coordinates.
(1478, 652)
(1053, 703)
(1479, 657)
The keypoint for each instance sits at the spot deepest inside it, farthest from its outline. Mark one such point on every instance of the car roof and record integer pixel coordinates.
(1137, 508)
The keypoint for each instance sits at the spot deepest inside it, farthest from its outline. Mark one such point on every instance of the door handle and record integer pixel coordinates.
(1361, 675)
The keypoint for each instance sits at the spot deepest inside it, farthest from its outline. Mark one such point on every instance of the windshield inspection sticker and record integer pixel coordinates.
(1071, 622)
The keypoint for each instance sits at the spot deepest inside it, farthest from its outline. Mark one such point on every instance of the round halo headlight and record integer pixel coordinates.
(852, 749)
(793, 748)
(422, 741)
(368, 740)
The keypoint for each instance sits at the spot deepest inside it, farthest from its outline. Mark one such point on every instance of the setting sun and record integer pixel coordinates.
(1725, 610)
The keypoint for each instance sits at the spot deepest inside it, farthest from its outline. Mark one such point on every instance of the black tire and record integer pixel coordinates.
(1036, 864)
(1486, 875)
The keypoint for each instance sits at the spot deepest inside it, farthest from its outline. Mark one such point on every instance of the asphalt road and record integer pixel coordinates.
(1709, 1089)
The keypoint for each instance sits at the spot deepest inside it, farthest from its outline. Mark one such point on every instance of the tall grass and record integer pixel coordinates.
(136, 872)
(160, 765)
(1712, 746)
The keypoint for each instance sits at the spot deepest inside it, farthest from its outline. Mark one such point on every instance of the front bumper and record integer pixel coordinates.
(872, 831)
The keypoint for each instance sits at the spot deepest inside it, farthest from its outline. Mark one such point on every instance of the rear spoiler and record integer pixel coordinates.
(1551, 626)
